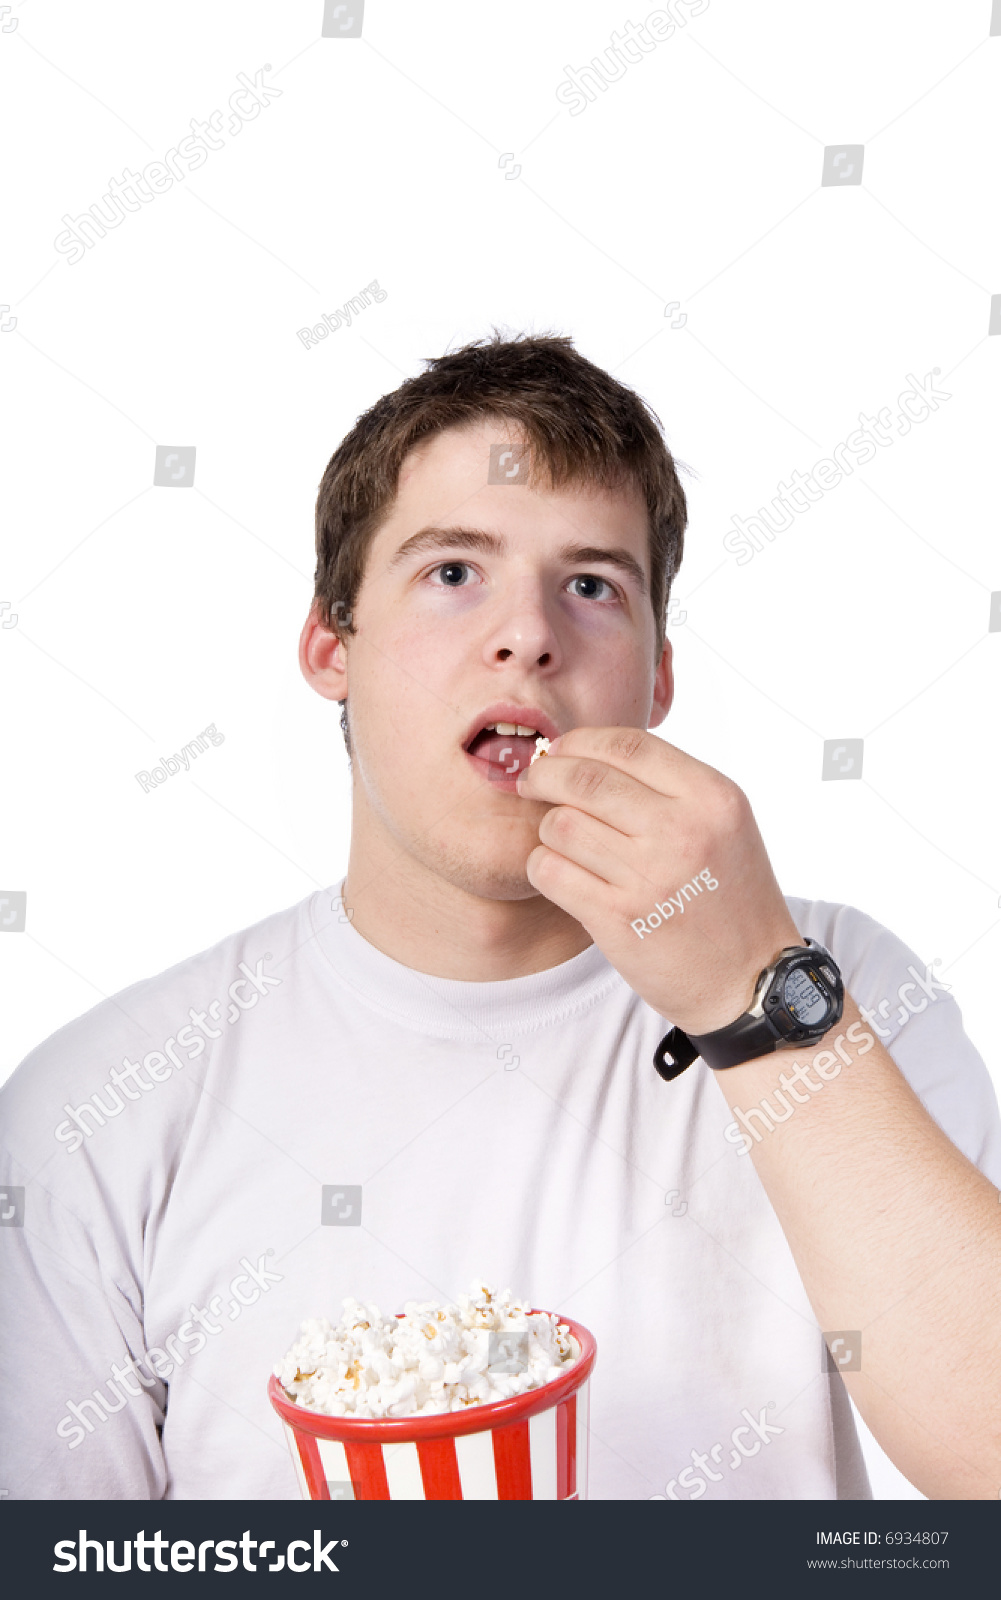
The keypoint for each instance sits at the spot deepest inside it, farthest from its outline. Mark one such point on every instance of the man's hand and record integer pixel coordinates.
(893, 1230)
(632, 820)
(897, 1235)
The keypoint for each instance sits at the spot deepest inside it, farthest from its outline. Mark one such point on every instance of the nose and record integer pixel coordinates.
(523, 631)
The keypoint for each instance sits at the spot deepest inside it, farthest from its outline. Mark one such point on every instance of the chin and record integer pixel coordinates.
(487, 873)
(492, 880)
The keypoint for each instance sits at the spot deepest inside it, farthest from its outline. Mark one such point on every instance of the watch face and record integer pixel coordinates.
(804, 999)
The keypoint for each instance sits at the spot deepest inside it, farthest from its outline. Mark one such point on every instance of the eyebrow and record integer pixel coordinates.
(495, 544)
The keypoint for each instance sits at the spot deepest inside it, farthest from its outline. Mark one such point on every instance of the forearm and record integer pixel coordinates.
(895, 1234)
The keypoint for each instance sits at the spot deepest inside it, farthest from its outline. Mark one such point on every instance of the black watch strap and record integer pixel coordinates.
(743, 1040)
(726, 1047)
(674, 1053)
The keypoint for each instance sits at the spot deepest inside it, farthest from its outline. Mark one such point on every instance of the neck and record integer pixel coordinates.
(432, 925)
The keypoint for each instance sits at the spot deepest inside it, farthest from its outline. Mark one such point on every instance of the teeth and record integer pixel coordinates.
(509, 728)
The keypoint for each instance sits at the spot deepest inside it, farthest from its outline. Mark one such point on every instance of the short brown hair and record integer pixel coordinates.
(582, 427)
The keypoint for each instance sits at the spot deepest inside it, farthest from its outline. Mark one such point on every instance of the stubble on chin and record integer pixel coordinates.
(481, 871)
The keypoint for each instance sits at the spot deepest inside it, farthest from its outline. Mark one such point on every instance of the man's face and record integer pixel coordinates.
(491, 603)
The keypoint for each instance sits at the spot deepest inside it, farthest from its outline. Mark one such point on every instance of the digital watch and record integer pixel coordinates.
(796, 1000)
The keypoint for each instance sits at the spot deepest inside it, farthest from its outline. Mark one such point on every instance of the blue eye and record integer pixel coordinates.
(590, 579)
(452, 573)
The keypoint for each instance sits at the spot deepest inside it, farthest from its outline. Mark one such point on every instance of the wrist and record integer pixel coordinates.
(761, 1075)
(797, 999)
(724, 1000)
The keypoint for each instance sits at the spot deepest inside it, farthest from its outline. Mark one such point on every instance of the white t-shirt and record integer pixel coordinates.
(515, 1131)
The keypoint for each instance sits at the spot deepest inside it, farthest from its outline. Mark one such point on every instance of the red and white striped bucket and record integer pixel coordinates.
(533, 1447)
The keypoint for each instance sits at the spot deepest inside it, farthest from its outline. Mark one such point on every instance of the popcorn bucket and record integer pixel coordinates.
(532, 1447)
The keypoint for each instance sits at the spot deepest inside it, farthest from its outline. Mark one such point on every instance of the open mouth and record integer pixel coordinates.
(503, 749)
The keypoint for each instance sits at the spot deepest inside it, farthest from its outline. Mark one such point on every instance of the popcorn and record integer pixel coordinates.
(485, 1348)
(541, 746)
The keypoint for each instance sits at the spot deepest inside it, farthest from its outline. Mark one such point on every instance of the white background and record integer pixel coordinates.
(143, 614)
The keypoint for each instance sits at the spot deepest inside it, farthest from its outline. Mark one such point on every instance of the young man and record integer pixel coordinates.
(444, 1067)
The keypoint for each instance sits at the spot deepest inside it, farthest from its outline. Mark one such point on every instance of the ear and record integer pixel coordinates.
(323, 658)
(663, 687)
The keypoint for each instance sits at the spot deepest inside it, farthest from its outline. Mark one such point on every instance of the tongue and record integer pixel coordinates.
(511, 751)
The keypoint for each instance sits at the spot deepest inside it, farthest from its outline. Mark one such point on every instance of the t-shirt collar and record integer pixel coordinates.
(454, 1008)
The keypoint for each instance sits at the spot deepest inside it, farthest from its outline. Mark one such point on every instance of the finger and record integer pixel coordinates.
(592, 845)
(606, 793)
(643, 755)
(575, 890)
